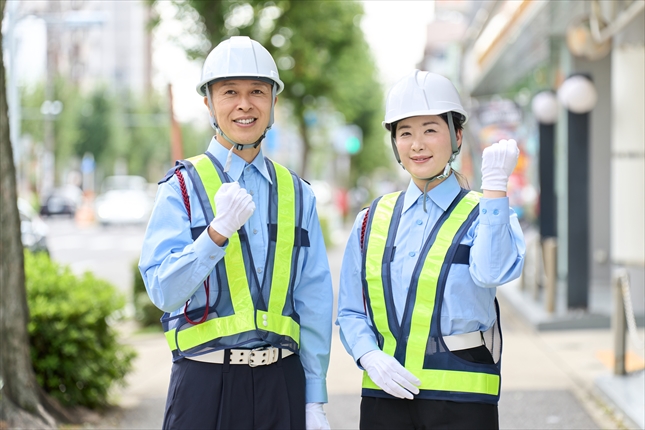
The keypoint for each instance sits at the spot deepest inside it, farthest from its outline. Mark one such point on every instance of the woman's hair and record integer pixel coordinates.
(457, 119)
(461, 180)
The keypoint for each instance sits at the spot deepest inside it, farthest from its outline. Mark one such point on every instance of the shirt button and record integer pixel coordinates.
(484, 211)
(419, 222)
(251, 192)
(264, 323)
(412, 254)
(212, 257)
(495, 212)
(255, 231)
(259, 270)
(265, 316)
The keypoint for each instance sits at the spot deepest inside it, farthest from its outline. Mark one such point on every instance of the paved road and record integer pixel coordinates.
(545, 380)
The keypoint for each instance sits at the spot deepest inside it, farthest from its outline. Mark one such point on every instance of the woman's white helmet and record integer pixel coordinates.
(421, 93)
(239, 57)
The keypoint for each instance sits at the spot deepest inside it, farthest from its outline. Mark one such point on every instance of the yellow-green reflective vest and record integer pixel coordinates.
(416, 341)
(244, 312)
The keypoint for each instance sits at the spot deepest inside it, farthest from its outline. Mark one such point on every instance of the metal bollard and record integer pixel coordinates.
(619, 326)
(536, 276)
(549, 256)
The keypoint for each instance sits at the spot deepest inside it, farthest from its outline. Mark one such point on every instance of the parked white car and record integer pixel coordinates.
(33, 229)
(124, 200)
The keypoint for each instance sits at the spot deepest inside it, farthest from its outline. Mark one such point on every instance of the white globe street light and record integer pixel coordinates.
(545, 107)
(578, 94)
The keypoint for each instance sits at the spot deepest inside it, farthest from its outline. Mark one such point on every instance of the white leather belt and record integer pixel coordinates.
(262, 356)
(464, 341)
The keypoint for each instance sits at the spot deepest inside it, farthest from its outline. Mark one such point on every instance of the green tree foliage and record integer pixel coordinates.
(94, 128)
(65, 124)
(132, 128)
(320, 51)
(75, 352)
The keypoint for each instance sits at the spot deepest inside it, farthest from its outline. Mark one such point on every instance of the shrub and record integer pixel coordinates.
(145, 312)
(74, 350)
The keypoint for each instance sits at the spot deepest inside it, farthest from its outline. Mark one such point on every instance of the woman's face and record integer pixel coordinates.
(424, 146)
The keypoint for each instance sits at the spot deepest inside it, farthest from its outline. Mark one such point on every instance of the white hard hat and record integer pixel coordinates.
(239, 57)
(421, 93)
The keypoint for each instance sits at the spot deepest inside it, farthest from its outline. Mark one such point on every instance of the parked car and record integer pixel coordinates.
(62, 201)
(124, 200)
(33, 229)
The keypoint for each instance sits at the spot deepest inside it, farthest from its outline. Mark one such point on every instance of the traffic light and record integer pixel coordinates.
(348, 139)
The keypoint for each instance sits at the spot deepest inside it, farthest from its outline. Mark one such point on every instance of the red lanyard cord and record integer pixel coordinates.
(363, 228)
(184, 193)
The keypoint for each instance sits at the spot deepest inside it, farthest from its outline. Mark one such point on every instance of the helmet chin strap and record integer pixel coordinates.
(237, 145)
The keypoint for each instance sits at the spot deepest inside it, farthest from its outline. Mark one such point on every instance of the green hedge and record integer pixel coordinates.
(145, 312)
(75, 351)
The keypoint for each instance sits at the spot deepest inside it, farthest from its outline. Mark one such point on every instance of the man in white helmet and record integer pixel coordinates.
(235, 257)
(417, 308)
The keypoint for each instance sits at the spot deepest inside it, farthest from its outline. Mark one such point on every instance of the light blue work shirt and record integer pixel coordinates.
(174, 267)
(496, 257)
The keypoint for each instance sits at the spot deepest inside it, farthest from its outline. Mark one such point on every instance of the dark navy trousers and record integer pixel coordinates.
(224, 396)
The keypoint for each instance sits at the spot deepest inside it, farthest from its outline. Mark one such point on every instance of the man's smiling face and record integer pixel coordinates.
(242, 108)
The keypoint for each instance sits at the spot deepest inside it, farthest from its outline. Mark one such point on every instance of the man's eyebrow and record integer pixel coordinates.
(230, 83)
(430, 122)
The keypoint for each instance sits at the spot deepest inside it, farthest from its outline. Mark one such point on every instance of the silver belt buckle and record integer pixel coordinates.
(260, 356)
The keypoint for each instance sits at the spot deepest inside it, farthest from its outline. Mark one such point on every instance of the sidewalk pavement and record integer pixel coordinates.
(549, 379)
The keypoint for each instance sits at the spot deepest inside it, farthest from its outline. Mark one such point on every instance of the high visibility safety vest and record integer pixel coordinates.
(243, 311)
(417, 342)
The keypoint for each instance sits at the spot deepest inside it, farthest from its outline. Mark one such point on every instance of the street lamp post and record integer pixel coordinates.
(545, 109)
(578, 95)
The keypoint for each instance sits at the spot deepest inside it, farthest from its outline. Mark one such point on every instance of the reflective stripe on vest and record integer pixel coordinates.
(444, 379)
(245, 317)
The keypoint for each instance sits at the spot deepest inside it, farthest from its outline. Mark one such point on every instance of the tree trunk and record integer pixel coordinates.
(302, 125)
(20, 403)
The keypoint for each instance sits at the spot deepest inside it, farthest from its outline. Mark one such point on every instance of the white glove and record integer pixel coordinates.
(233, 206)
(316, 418)
(388, 374)
(498, 162)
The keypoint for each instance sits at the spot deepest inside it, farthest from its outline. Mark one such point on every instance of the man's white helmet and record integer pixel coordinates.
(421, 93)
(239, 57)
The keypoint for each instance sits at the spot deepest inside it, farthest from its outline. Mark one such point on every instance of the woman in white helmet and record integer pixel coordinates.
(234, 255)
(417, 307)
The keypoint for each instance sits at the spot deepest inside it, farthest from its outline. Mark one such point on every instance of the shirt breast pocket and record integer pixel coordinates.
(301, 237)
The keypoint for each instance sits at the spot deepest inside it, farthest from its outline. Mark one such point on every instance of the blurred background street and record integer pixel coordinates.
(101, 101)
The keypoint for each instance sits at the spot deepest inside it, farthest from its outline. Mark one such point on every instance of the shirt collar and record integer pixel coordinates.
(442, 195)
(237, 163)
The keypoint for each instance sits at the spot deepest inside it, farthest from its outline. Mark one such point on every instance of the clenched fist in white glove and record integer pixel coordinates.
(498, 162)
(233, 207)
(388, 374)
(315, 416)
